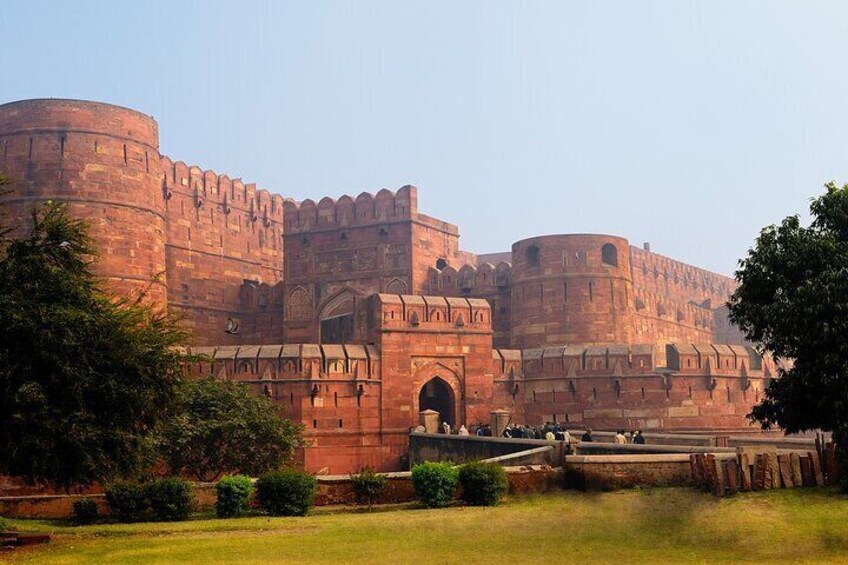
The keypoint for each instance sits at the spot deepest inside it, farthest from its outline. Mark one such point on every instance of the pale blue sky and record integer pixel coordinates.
(687, 124)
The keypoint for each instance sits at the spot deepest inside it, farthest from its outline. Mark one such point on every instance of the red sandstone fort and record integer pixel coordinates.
(358, 313)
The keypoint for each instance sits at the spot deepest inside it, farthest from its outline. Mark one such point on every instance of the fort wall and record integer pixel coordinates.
(708, 386)
(678, 281)
(354, 314)
(208, 247)
(358, 403)
(224, 254)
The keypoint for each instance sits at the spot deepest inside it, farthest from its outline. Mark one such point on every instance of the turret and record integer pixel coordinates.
(103, 162)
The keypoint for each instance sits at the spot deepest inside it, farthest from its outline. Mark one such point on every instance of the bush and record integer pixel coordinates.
(5, 524)
(233, 496)
(434, 483)
(483, 484)
(85, 510)
(171, 499)
(368, 486)
(127, 501)
(288, 492)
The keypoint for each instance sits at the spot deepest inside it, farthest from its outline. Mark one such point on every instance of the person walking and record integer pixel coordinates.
(639, 439)
(619, 438)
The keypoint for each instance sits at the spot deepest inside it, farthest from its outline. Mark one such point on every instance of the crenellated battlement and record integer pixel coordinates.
(431, 313)
(365, 209)
(668, 276)
(623, 360)
(207, 188)
(482, 278)
(294, 361)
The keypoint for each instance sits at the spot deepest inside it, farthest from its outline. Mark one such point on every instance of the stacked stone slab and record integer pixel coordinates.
(770, 470)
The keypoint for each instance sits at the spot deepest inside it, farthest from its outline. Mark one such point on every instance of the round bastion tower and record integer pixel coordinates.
(571, 289)
(103, 162)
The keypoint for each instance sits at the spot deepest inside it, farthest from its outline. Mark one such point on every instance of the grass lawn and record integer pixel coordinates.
(636, 526)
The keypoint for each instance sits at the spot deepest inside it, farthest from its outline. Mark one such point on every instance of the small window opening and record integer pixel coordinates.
(609, 255)
(532, 256)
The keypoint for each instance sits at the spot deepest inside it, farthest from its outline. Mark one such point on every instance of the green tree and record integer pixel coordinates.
(84, 378)
(222, 427)
(793, 302)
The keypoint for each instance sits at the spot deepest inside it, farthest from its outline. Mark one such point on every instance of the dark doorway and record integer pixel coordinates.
(337, 330)
(437, 395)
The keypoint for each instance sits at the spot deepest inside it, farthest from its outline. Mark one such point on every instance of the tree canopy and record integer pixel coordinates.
(793, 302)
(221, 426)
(84, 377)
(91, 384)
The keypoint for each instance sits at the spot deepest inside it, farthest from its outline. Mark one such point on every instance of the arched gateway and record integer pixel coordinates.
(437, 395)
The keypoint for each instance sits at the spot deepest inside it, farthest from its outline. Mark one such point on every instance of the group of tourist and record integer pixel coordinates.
(633, 436)
(550, 431)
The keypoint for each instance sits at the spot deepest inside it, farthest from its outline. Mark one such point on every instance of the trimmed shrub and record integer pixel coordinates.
(435, 483)
(368, 486)
(288, 492)
(171, 499)
(233, 496)
(5, 524)
(483, 484)
(85, 510)
(127, 501)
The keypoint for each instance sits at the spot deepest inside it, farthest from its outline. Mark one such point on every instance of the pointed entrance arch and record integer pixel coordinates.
(437, 395)
(336, 318)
